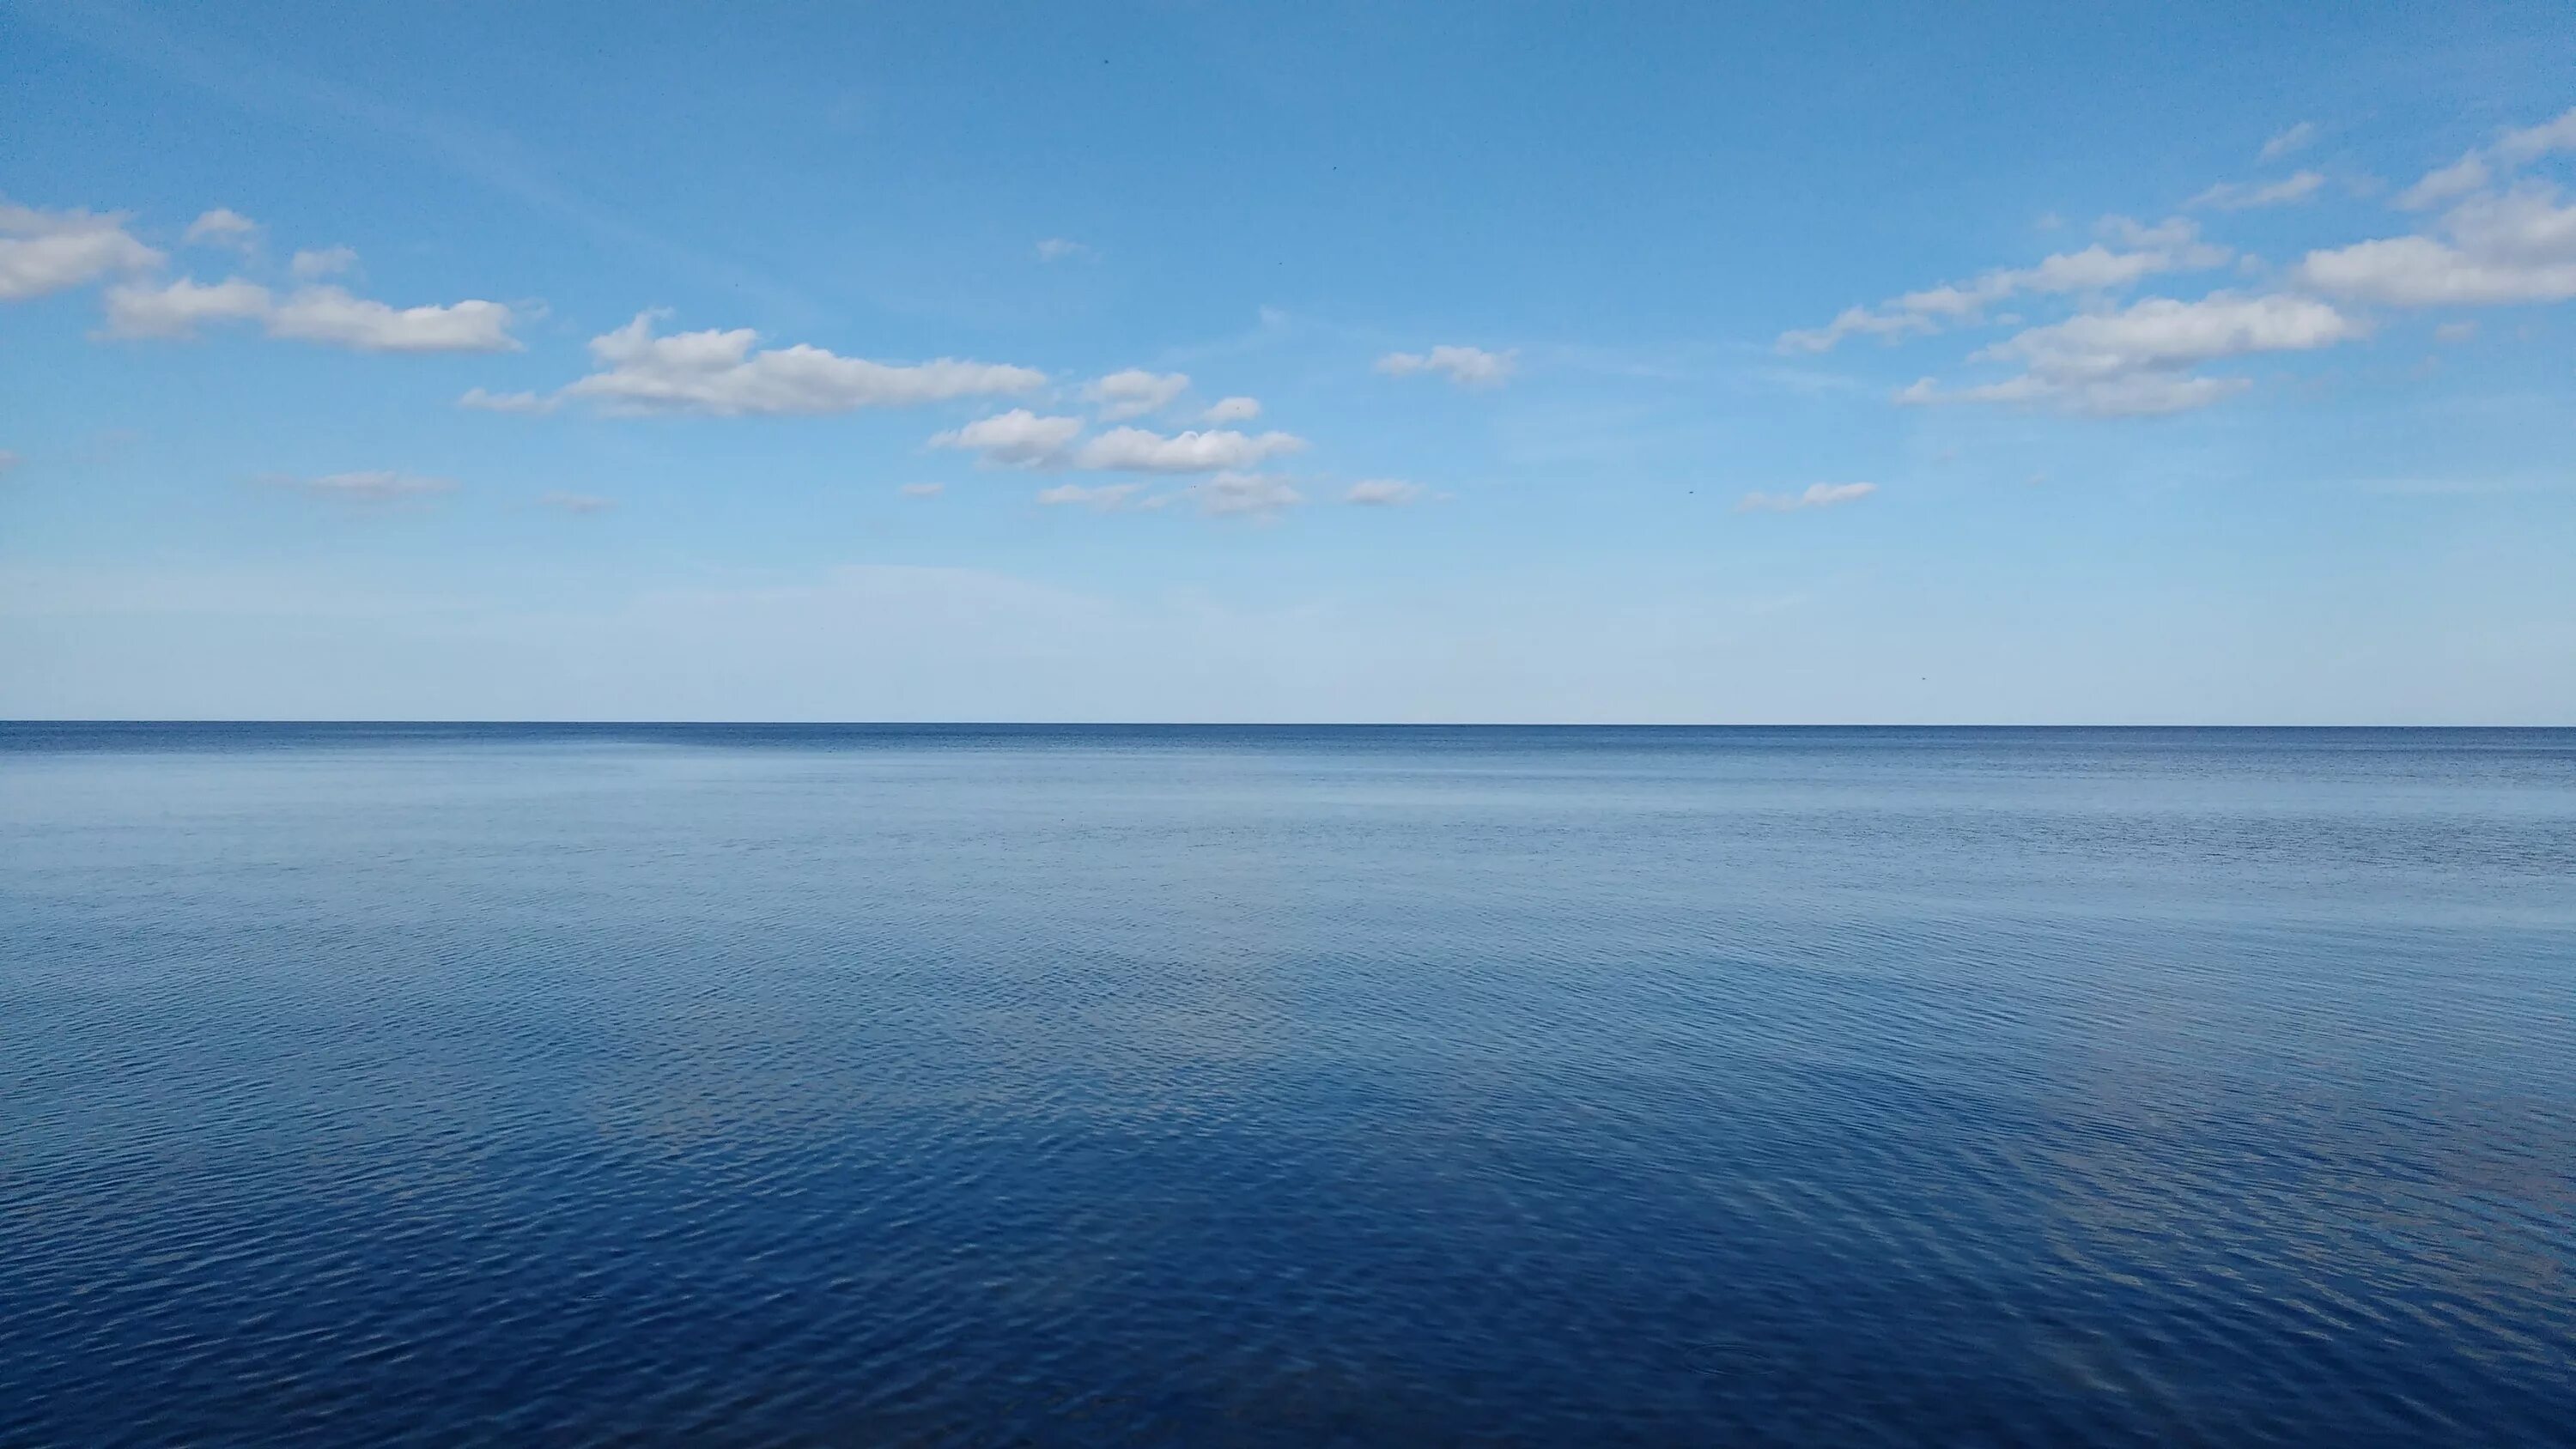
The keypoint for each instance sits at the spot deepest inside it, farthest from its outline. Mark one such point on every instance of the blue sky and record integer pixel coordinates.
(2170, 363)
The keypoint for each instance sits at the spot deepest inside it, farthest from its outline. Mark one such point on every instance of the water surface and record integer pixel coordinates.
(710, 1085)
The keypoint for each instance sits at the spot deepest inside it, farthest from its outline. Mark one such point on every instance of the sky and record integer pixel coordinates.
(2171, 363)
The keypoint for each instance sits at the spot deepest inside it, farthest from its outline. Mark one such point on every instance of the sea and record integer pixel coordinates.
(982, 1085)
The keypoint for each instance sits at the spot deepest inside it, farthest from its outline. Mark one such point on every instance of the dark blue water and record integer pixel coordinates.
(369, 1085)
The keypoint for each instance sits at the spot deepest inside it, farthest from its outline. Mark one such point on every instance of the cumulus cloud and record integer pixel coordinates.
(2245, 196)
(379, 486)
(1465, 366)
(2517, 247)
(135, 309)
(721, 374)
(223, 227)
(2474, 170)
(1015, 439)
(505, 402)
(1100, 498)
(1135, 392)
(323, 262)
(1057, 249)
(2137, 251)
(330, 315)
(1383, 493)
(924, 490)
(1816, 495)
(1135, 450)
(2297, 138)
(580, 505)
(1232, 410)
(2135, 361)
(48, 251)
(1244, 495)
(325, 315)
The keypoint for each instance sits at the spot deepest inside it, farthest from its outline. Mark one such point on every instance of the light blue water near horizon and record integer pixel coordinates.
(784, 1085)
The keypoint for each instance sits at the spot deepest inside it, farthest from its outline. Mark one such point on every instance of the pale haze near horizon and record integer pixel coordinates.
(2159, 365)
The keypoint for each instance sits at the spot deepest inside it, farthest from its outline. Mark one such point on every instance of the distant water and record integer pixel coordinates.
(711, 1086)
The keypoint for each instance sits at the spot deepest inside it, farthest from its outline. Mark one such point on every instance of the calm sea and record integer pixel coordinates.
(707, 1085)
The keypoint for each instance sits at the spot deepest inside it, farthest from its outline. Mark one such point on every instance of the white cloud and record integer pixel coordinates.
(2134, 362)
(1383, 493)
(1816, 495)
(2518, 247)
(1244, 495)
(379, 486)
(310, 314)
(2533, 142)
(2242, 196)
(1101, 498)
(331, 315)
(505, 402)
(222, 227)
(2296, 138)
(924, 490)
(1015, 439)
(2472, 172)
(48, 251)
(719, 373)
(2169, 246)
(1056, 249)
(323, 262)
(580, 505)
(135, 309)
(2455, 332)
(1135, 392)
(1232, 410)
(1465, 366)
(2448, 183)
(1135, 450)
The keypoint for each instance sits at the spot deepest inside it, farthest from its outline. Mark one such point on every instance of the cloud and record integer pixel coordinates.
(380, 486)
(2518, 247)
(580, 505)
(223, 227)
(1015, 439)
(2475, 169)
(2296, 138)
(178, 309)
(1134, 450)
(2455, 332)
(48, 251)
(1244, 495)
(2235, 196)
(1816, 495)
(1056, 249)
(1383, 493)
(720, 374)
(326, 315)
(505, 402)
(2447, 183)
(1100, 498)
(1135, 392)
(924, 490)
(2134, 362)
(1232, 410)
(330, 315)
(2141, 251)
(8, 462)
(1465, 366)
(323, 262)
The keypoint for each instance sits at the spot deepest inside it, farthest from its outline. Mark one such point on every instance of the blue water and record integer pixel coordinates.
(558, 1085)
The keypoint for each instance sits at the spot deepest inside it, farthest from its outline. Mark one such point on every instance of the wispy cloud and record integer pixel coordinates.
(726, 374)
(2289, 142)
(1383, 493)
(1058, 249)
(1465, 366)
(326, 315)
(924, 490)
(1815, 495)
(376, 486)
(580, 505)
(2246, 196)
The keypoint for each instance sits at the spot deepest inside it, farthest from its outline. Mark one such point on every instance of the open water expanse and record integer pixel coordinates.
(553, 1085)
